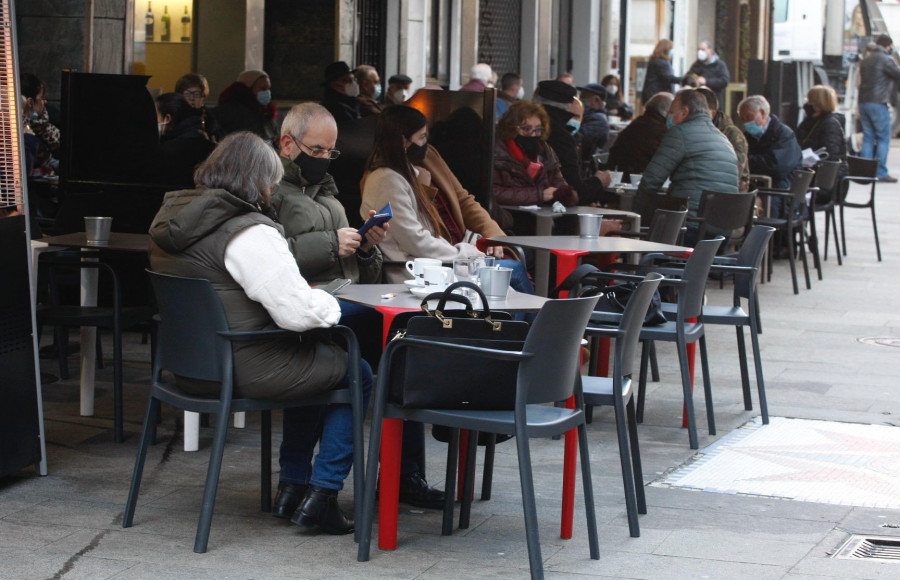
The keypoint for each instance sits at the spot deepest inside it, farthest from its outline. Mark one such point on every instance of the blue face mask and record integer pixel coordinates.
(377, 95)
(751, 128)
(264, 97)
(669, 122)
(573, 126)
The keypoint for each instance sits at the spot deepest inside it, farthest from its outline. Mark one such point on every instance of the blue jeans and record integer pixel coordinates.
(519, 280)
(332, 427)
(876, 126)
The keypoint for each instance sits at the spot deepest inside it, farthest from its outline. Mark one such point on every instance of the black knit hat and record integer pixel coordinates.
(336, 70)
(556, 91)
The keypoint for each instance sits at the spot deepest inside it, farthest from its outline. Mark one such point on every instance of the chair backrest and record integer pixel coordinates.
(827, 175)
(666, 226)
(632, 322)
(696, 270)
(751, 255)
(725, 211)
(190, 315)
(555, 339)
(646, 203)
(861, 167)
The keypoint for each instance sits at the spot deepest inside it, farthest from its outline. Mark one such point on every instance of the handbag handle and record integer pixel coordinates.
(448, 294)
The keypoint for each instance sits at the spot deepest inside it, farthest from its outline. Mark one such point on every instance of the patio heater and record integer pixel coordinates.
(20, 443)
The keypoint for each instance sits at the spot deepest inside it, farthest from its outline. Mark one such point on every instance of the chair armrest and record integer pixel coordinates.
(724, 261)
(776, 193)
(604, 331)
(731, 269)
(859, 179)
(640, 277)
(258, 334)
(643, 234)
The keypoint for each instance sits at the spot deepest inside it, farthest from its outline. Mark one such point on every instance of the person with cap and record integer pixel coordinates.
(710, 70)
(340, 92)
(246, 105)
(398, 90)
(480, 79)
(594, 129)
(878, 75)
(557, 98)
(369, 90)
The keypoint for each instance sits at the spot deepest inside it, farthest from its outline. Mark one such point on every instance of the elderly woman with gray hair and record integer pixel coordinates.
(223, 230)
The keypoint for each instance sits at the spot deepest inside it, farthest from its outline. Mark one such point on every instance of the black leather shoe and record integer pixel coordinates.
(415, 491)
(287, 498)
(319, 509)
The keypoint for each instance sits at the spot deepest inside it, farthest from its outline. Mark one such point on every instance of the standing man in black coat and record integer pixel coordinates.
(557, 97)
(710, 70)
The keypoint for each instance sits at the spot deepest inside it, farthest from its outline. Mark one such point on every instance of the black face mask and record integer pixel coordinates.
(530, 146)
(416, 153)
(313, 169)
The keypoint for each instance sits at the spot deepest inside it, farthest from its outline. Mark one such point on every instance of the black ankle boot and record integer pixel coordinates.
(319, 509)
(287, 498)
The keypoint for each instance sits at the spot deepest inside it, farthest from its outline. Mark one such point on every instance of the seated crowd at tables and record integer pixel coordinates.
(260, 216)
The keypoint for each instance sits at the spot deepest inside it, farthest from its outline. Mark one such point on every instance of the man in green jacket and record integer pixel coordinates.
(694, 155)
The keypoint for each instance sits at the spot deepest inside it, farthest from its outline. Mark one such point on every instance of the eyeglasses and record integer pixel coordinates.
(528, 130)
(317, 151)
(194, 95)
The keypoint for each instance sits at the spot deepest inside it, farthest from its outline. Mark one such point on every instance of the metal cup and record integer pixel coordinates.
(495, 282)
(97, 230)
(589, 225)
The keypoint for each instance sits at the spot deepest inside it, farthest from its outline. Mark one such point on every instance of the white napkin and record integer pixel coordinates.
(530, 207)
(558, 207)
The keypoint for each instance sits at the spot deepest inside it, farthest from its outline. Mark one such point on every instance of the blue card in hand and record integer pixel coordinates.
(383, 216)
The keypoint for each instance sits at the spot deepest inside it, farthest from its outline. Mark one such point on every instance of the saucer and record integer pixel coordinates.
(413, 284)
(423, 291)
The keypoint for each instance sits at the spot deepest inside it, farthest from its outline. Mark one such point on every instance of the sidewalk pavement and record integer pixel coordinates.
(68, 524)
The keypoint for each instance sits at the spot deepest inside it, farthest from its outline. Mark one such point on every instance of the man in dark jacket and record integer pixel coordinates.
(710, 70)
(636, 143)
(772, 148)
(340, 92)
(694, 155)
(557, 97)
(369, 90)
(878, 73)
(595, 125)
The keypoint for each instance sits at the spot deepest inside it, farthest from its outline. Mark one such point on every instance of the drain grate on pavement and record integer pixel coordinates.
(801, 460)
(882, 548)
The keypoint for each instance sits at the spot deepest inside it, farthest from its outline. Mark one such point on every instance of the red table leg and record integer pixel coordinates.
(691, 353)
(389, 479)
(566, 261)
(570, 461)
(387, 315)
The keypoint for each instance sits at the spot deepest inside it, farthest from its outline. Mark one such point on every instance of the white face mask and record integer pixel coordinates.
(351, 89)
(161, 127)
(399, 96)
(702, 55)
(612, 90)
(520, 93)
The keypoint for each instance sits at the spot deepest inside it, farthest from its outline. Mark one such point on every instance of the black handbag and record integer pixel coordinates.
(582, 282)
(434, 379)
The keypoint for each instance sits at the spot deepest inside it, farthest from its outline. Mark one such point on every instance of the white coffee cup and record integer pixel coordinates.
(437, 277)
(636, 178)
(616, 177)
(417, 268)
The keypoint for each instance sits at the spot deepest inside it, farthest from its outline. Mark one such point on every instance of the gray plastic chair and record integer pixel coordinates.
(725, 212)
(548, 372)
(864, 172)
(691, 284)
(617, 392)
(826, 181)
(746, 270)
(195, 342)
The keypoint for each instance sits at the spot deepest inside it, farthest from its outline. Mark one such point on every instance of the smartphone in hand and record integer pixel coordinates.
(335, 285)
(380, 218)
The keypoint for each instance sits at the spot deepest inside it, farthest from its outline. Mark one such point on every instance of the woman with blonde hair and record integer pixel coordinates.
(823, 128)
(659, 77)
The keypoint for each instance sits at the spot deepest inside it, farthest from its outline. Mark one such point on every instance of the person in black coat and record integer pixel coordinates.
(340, 92)
(710, 70)
(557, 97)
(638, 142)
(823, 128)
(183, 142)
(659, 77)
(246, 105)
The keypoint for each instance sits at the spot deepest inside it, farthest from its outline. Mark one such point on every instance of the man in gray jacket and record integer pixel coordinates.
(694, 155)
(878, 72)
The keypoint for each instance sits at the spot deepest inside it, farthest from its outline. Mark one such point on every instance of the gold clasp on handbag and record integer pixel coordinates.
(496, 326)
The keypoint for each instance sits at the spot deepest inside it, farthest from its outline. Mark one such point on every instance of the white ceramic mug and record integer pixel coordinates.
(636, 178)
(417, 268)
(616, 177)
(438, 277)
